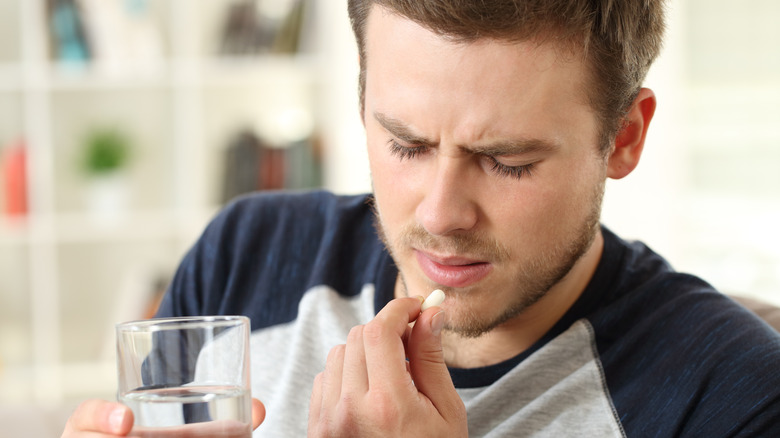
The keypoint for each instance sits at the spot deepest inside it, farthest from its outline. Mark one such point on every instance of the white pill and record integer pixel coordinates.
(434, 299)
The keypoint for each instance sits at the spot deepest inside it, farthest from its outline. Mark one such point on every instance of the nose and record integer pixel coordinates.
(447, 206)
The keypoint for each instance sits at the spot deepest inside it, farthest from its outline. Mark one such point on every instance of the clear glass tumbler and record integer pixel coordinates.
(187, 376)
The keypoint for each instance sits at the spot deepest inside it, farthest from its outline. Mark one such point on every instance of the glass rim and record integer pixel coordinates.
(179, 322)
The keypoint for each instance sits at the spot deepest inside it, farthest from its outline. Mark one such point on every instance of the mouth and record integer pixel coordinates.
(452, 271)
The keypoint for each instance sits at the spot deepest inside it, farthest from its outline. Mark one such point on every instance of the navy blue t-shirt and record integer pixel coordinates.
(645, 351)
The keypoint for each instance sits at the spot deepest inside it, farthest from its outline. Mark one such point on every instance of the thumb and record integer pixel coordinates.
(426, 361)
(258, 413)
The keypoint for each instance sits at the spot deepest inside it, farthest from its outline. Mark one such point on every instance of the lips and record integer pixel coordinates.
(452, 271)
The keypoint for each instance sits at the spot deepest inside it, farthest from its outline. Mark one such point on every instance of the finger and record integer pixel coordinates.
(426, 362)
(354, 378)
(333, 375)
(205, 429)
(406, 335)
(384, 344)
(315, 403)
(327, 387)
(100, 416)
(258, 413)
(82, 434)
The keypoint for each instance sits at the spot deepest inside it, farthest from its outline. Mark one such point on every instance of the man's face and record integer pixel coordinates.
(485, 166)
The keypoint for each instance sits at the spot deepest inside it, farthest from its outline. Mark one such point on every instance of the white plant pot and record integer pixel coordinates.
(108, 195)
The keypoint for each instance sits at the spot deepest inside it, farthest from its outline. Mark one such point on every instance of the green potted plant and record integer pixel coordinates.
(104, 160)
(106, 151)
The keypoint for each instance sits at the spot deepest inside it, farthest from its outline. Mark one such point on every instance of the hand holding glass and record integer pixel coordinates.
(186, 377)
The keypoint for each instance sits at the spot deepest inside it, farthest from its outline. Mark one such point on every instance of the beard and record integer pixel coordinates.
(531, 280)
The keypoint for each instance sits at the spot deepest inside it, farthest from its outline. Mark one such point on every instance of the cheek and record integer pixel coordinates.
(538, 211)
(382, 174)
(572, 205)
(391, 184)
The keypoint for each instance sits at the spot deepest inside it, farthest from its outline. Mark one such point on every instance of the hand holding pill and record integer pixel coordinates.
(369, 388)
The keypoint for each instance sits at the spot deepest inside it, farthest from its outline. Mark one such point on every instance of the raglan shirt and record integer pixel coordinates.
(645, 351)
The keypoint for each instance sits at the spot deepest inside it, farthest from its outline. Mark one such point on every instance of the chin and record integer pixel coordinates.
(471, 312)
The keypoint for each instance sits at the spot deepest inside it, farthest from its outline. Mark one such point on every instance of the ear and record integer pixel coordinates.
(631, 139)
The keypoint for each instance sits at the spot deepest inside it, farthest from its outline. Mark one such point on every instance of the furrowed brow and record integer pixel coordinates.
(401, 131)
(499, 148)
(515, 147)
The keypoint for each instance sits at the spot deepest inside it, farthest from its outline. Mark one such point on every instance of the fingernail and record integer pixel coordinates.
(437, 322)
(421, 298)
(117, 419)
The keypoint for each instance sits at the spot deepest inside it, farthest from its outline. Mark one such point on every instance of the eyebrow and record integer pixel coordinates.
(401, 130)
(516, 147)
(495, 149)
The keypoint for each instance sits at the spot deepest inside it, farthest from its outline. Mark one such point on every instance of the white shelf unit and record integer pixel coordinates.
(67, 275)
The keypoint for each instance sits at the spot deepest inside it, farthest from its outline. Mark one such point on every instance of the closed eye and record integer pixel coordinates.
(409, 152)
(405, 152)
(510, 171)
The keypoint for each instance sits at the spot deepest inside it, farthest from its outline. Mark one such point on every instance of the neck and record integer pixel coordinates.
(520, 333)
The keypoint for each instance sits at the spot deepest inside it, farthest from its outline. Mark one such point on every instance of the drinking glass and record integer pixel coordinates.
(186, 376)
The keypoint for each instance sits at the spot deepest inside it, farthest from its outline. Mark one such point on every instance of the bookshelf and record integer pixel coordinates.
(66, 275)
(68, 272)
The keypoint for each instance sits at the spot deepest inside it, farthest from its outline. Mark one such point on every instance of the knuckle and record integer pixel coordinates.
(318, 379)
(334, 360)
(427, 359)
(82, 416)
(382, 410)
(335, 353)
(81, 409)
(355, 334)
(344, 419)
(350, 405)
(375, 332)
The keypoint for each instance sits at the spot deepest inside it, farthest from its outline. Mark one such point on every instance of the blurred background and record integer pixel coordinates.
(126, 124)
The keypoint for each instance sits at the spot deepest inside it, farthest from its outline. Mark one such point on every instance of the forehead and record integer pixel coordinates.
(386, 29)
(479, 87)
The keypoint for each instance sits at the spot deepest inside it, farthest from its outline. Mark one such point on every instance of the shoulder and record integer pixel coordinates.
(288, 229)
(678, 353)
(640, 287)
(263, 251)
(273, 218)
(674, 312)
(716, 361)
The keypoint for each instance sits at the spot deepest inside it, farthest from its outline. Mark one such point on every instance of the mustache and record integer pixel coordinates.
(472, 244)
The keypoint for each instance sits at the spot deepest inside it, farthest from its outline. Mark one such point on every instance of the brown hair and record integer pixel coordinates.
(619, 39)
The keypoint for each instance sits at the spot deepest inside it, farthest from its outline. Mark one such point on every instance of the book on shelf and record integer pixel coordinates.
(113, 36)
(252, 27)
(67, 36)
(14, 171)
(252, 164)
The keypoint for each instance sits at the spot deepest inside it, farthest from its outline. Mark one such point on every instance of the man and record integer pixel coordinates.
(491, 128)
